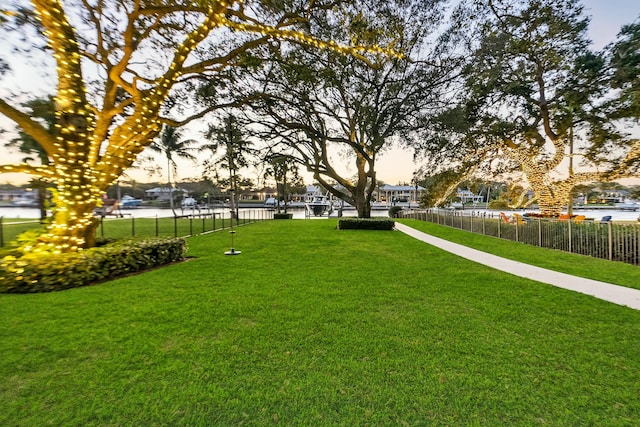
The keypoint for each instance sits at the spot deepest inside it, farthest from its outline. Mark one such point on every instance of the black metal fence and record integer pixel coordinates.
(129, 226)
(607, 240)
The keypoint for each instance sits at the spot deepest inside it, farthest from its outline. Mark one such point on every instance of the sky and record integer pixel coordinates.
(394, 166)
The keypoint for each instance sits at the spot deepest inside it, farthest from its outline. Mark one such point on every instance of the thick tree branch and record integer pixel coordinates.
(29, 126)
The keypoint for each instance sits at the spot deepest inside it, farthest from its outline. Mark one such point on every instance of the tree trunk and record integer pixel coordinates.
(41, 188)
(362, 205)
(171, 202)
(284, 192)
(278, 198)
(73, 223)
(361, 196)
(550, 210)
(550, 201)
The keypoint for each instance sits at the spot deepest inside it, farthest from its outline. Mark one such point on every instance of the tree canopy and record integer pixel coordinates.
(318, 103)
(533, 98)
(125, 68)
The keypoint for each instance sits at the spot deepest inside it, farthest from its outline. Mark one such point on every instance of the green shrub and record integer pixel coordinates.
(282, 216)
(365, 224)
(393, 211)
(53, 272)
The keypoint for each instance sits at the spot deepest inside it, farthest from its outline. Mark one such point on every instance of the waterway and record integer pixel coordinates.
(145, 212)
(595, 214)
(299, 213)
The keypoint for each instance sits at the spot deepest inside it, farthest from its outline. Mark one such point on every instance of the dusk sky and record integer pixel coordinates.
(396, 165)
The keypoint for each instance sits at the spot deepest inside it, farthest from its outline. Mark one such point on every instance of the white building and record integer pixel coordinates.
(465, 196)
(392, 195)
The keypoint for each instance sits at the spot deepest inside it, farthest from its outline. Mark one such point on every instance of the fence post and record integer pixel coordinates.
(190, 225)
(133, 226)
(570, 237)
(539, 232)
(610, 237)
(1, 233)
(499, 227)
(175, 226)
(157, 228)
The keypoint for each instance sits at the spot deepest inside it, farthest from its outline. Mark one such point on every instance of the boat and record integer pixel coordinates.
(318, 205)
(25, 202)
(271, 203)
(628, 205)
(129, 202)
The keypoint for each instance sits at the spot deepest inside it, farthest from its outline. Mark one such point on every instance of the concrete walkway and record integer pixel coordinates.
(606, 291)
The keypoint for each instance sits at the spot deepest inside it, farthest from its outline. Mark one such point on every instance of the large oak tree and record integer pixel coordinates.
(125, 68)
(534, 99)
(318, 104)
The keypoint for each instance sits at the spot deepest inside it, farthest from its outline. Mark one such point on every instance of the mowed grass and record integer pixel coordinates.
(617, 273)
(13, 227)
(315, 326)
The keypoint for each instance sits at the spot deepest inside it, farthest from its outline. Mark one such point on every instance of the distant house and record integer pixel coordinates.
(613, 196)
(394, 194)
(163, 193)
(465, 196)
(263, 193)
(20, 197)
(10, 195)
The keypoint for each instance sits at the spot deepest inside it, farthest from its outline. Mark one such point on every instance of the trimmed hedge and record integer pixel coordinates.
(393, 211)
(282, 216)
(365, 224)
(49, 272)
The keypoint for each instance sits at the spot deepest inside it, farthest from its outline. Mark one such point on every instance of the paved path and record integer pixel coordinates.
(606, 291)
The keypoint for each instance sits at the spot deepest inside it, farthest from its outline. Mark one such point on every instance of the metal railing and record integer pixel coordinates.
(607, 240)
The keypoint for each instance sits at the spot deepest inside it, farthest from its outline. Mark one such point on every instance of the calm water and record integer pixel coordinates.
(616, 215)
(141, 212)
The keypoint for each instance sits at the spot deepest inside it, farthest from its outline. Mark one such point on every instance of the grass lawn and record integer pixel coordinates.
(12, 227)
(315, 326)
(617, 273)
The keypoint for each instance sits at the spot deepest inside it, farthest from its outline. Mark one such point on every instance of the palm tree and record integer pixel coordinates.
(173, 147)
(235, 156)
(42, 108)
(283, 168)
